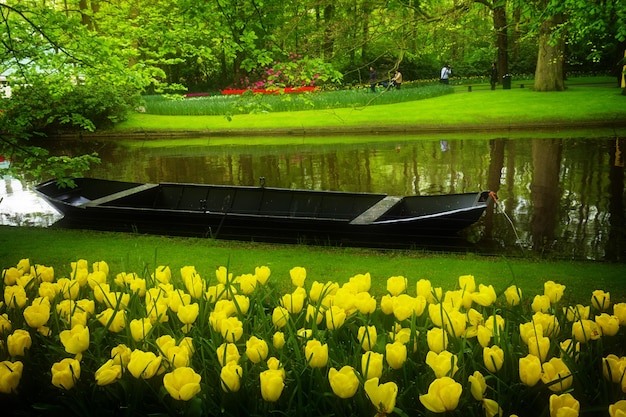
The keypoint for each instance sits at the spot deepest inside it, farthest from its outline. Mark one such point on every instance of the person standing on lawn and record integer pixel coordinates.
(373, 79)
(494, 76)
(397, 80)
(446, 71)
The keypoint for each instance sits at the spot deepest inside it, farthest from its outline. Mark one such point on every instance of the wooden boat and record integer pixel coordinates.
(262, 213)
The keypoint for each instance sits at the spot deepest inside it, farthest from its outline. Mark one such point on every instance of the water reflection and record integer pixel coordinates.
(563, 196)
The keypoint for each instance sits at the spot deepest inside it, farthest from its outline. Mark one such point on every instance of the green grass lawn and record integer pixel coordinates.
(141, 254)
(514, 108)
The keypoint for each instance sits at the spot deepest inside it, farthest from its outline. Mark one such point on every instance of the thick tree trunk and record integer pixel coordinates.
(549, 71)
(502, 41)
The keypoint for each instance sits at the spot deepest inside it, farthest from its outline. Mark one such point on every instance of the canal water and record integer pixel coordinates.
(558, 197)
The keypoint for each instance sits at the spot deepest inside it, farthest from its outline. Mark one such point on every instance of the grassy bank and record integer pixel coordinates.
(501, 108)
(141, 254)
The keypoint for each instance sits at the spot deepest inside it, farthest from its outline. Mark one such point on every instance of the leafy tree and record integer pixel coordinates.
(63, 78)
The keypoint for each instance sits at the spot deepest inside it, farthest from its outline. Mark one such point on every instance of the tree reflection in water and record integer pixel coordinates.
(565, 196)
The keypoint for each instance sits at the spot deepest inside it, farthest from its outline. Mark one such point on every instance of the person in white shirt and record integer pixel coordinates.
(445, 74)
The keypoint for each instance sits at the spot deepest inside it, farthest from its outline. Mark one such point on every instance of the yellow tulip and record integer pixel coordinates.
(425, 289)
(619, 310)
(485, 296)
(18, 342)
(530, 329)
(188, 313)
(367, 337)
(143, 364)
(570, 348)
(5, 324)
(484, 335)
(371, 365)
(320, 290)
(162, 274)
(121, 354)
(530, 370)
(609, 324)
(556, 375)
(280, 317)
(478, 385)
(316, 354)
(541, 303)
(314, 313)
(178, 356)
(344, 382)
(272, 384)
(442, 364)
(294, 302)
(548, 322)
(108, 373)
(11, 275)
(618, 409)
(467, 283)
(177, 298)
(262, 274)
(564, 405)
(396, 354)
(553, 290)
(386, 304)
(38, 313)
(227, 352)
(584, 330)
(114, 321)
(139, 328)
(230, 376)
(600, 300)
(278, 340)
(360, 282)
(275, 364)
(455, 323)
(221, 273)
(75, 340)
(492, 408)
(405, 306)
(437, 339)
(539, 347)
(493, 358)
(10, 376)
(443, 395)
(256, 349)
(247, 283)
(335, 317)
(65, 373)
(577, 312)
(513, 295)
(298, 276)
(396, 285)
(182, 383)
(613, 368)
(232, 329)
(365, 303)
(15, 296)
(383, 396)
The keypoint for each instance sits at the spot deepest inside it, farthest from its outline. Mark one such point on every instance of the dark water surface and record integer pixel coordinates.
(563, 197)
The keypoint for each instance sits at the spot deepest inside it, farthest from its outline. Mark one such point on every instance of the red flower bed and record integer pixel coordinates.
(287, 90)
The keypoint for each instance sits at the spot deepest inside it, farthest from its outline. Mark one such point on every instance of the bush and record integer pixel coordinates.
(44, 107)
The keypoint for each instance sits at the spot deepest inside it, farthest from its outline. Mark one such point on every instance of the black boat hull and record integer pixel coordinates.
(263, 214)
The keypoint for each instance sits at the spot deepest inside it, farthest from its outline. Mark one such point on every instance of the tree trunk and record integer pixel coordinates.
(502, 41)
(549, 71)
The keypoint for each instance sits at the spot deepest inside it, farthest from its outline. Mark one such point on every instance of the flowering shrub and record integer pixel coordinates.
(295, 72)
(99, 343)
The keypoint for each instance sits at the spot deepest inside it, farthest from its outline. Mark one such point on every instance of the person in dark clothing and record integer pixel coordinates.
(494, 75)
(373, 79)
